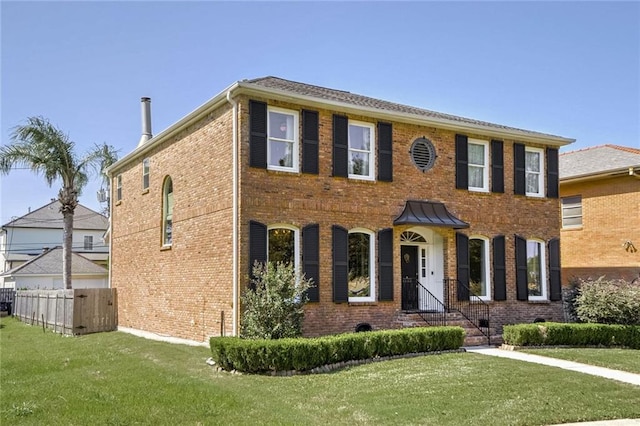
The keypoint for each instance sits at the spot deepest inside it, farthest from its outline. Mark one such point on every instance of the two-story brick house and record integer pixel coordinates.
(386, 207)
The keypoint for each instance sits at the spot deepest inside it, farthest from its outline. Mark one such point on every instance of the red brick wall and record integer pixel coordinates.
(610, 218)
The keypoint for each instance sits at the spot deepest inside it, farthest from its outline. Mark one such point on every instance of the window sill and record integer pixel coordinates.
(165, 248)
(118, 202)
(145, 191)
(539, 301)
(363, 303)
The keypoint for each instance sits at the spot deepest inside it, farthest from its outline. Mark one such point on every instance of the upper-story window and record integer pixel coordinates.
(118, 187)
(536, 272)
(361, 265)
(282, 151)
(145, 174)
(478, 165)
(479, 267)
(88, 242)
(534, 172)
(572, 212)
(167, 212)
(361, 152)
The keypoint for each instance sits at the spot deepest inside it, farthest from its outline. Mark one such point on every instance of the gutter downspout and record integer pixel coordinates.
(234, 237)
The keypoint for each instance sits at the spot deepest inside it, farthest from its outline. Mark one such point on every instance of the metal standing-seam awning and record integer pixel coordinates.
(428, 213)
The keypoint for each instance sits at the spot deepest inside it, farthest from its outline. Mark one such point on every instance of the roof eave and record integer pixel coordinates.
(619, 172)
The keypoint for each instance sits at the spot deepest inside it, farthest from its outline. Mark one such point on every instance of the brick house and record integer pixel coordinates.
(600, 200)
(390, 209)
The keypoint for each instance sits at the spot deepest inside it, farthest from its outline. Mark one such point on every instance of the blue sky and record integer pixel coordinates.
(567, 68)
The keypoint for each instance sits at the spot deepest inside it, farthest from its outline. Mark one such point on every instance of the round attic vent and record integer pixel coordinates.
(423, 153)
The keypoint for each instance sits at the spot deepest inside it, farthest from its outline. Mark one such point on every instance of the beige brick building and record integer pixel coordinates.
(600, 202)
(390, 209)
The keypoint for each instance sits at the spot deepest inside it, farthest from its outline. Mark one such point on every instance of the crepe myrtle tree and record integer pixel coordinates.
(47, 151)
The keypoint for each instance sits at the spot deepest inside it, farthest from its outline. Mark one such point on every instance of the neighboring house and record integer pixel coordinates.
(28, 236)
(384, 206)
(600, 202)
(44, 272)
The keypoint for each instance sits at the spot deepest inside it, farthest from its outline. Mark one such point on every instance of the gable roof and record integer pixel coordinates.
(598, 161)
(49, 216)
(50, 263)
(342, 101)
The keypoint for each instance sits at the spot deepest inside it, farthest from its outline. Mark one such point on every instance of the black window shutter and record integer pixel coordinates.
(522, 292)
(552, 173)
(385, 152)
(518, 169)
(497, 166)
(257, 245)
(554, 270)
(462, 162)
(385, 263)
(311, 259)
(310, 140)
(340, 146)
(499, 269)
(462, 259)
(340, 264)
(258, 134)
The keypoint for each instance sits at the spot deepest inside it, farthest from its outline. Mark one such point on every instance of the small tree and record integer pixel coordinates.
(273, 305)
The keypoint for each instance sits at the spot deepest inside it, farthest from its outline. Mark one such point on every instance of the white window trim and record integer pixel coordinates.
(567, 216)
(485, 167)
(543, 270)
(541, 187)
(296, 140)
(165, 212)
(372, 265)
(487, 263)
(296, 244)
(85, 245)
(146, 167)
(371, 152)
(119, 187)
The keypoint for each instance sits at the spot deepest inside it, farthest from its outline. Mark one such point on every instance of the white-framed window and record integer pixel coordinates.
(88, 242)
(361, 249)
(572, 212)
(118, 188)
(479, 272)
(534, 172)
(362, 162)
(478, 165)
(167, 212)
(282, 145)
(145, 174)
(283, 244)
(536, 271)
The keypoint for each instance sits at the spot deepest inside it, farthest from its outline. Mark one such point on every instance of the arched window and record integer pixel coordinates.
(361, 265)
(282, 244)
(479, 267)
(167, 212)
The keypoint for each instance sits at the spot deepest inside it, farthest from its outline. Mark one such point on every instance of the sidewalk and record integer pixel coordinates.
(621, 376)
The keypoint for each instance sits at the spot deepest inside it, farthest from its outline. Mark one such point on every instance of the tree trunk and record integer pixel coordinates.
(69, 200)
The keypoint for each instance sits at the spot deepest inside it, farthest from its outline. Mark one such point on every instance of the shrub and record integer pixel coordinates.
(555, 334)
(608, 302)
(261, 355)
(273, 305)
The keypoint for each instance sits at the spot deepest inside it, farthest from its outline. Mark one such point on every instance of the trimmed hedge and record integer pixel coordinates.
(554, 334)
(304, 354)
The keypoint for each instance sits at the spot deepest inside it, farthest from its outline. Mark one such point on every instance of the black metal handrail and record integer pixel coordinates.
(469, 305)
(417, 299)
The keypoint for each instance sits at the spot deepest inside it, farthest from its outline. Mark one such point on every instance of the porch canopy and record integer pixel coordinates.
(428, 213)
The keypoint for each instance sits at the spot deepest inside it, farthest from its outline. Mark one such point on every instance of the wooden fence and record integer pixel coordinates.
(78, 311)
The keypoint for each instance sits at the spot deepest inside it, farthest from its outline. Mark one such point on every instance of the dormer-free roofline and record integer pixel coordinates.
(414, 116)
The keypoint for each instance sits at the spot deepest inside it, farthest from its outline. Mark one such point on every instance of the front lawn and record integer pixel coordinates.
(618, 359)
(116, 378)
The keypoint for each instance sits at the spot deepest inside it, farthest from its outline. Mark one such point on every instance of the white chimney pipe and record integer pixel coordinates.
(145, 104)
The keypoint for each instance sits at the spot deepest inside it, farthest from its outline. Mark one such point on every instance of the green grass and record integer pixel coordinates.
(618, 359)
(119, 379)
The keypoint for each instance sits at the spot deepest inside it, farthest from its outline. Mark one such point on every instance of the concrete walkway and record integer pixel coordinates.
(621, 376)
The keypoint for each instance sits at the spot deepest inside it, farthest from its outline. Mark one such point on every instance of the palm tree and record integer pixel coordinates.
(46, 150)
